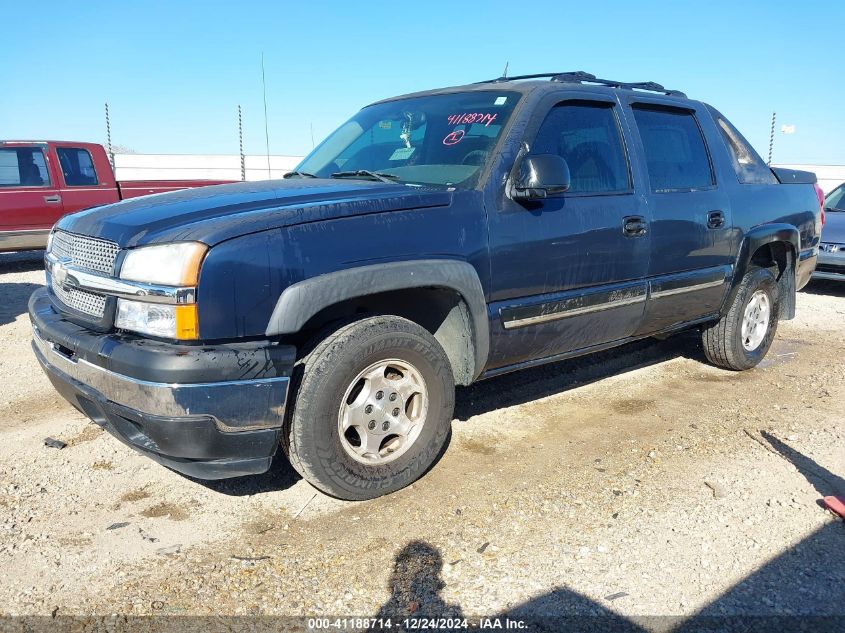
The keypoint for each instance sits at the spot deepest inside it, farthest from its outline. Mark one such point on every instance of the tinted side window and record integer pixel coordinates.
(749, 167)
(587, 136)
(836, 199)
(23, 167)
(77, 166)
(675, 153)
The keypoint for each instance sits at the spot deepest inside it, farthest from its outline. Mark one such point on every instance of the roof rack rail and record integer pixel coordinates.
(580, 77)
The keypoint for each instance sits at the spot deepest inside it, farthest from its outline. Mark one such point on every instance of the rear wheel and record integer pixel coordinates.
(742, 337)
(373, 409)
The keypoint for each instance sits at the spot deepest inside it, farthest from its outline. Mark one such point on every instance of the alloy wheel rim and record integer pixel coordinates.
(755, 320)
(382, 412)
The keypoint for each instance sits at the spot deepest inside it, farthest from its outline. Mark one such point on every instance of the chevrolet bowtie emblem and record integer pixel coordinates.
(60, 273)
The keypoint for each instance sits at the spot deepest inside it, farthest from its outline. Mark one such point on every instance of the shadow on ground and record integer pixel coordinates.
(803, 589)
(825, 482)
(281, 476)
(538, 382)
(13, 300)
(825, 287)
(14, 296)
(22, 262)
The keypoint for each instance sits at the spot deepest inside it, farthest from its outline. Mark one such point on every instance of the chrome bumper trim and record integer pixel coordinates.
(73, 277)
(238, 405)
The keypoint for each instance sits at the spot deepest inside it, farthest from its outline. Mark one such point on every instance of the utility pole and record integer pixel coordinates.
(772, 138)
(108, 137)
(241, 142)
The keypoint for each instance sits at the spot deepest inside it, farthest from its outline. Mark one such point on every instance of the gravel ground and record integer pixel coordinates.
(637, 482)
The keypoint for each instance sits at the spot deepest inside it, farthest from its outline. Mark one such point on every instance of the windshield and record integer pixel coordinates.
(836, 199)
(442, 139)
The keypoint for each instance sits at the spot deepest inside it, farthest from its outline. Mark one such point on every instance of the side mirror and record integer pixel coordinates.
(541, 176)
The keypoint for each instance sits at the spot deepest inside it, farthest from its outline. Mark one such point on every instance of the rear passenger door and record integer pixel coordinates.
(83, 186)
(565, 273)
(691, 228)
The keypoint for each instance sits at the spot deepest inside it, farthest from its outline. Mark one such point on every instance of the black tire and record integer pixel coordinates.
(723, 344)
(311, 437)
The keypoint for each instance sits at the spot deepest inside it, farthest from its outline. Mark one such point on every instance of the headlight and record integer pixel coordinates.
(169, 264)
(158, 319)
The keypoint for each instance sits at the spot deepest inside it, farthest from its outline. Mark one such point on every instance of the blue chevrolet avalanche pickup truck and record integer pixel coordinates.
(433, 240)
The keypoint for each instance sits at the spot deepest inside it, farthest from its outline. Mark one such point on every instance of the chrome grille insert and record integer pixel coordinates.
(85, 302)
(86, 253)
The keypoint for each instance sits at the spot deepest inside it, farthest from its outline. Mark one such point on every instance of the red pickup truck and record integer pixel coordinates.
(40, 181)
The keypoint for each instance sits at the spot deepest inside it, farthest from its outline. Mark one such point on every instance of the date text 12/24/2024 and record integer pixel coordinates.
(414, 624)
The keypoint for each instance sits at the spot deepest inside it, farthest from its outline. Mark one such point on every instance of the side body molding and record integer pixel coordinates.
(302, 300)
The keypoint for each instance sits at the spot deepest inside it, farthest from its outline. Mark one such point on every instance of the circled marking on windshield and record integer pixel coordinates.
(453, 138)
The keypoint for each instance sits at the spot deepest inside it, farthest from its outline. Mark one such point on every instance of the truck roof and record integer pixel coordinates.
(45, 142)
(550, 82)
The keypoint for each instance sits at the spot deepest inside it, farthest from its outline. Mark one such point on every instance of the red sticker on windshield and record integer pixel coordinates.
(453, 138)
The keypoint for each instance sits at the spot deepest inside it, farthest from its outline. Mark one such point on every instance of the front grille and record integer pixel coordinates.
(88, 253)
(85, 252)
(85, 302)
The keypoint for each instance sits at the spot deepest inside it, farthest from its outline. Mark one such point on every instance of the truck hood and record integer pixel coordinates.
(834, 227)
(217, 213)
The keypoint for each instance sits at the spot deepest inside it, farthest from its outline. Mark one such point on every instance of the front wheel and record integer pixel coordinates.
(742, 337)
(373, 409)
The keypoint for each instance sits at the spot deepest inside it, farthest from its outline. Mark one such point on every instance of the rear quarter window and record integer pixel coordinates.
(749, 167)
(77, 166)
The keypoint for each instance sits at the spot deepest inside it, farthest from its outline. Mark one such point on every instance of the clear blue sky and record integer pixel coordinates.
(174, 72)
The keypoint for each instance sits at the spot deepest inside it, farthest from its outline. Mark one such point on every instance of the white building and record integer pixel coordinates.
(201, 167)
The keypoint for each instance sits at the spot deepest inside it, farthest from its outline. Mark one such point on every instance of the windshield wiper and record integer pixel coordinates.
(366, 173)
(299, 174)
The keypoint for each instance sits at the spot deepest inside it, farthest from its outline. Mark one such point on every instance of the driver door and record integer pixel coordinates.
(567, 272)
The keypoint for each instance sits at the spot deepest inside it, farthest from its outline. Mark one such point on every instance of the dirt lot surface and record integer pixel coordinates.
(638, 482)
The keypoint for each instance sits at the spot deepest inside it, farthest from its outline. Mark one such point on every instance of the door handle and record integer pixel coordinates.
(634, 226)
(52, 199)
(715, 220)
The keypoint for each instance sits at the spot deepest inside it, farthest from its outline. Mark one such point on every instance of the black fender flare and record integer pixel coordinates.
(751, 242)
(302, 300)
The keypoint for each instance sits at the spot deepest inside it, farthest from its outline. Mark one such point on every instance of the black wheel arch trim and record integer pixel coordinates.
(754, 239)
(766, 234)
(302, 300)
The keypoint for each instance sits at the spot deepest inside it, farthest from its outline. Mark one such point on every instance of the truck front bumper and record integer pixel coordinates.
(209, 412)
